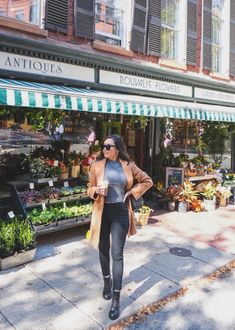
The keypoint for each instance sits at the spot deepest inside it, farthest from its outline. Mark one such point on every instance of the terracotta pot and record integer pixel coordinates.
(64, 175)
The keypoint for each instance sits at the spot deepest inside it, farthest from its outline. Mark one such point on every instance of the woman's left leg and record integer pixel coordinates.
(119, 229)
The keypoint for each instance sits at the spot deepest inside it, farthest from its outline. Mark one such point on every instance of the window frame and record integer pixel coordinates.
(181, 34)
(124, 38)
(41, 17)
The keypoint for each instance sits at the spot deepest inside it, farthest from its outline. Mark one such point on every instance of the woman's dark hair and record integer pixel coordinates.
(120, 145)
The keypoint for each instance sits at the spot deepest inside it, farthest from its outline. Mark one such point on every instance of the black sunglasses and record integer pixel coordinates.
(108, 146)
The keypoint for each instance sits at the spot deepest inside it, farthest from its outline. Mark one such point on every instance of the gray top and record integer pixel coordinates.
(117, 181)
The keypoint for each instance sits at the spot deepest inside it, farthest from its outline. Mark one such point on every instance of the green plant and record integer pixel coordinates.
(7, 239)
(144, 209)
(209, 190)
(214, 137)
(25, 238)
(15, 235)
(187, 192)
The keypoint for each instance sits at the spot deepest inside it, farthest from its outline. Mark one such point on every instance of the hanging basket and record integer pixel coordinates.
(141, 218)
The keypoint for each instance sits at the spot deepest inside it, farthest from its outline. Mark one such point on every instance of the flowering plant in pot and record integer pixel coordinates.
(223, 194)
(209, 193)
(75, 159)
(186, 195)
(142, 215)
(172, 193)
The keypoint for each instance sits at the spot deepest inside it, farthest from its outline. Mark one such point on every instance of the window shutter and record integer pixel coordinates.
(84, 18)
(207, 34)
(56, 17)
(192, 32)
(232, 39)
(139, 28)
(154, 28)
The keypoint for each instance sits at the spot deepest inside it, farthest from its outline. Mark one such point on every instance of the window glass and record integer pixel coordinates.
(28, 11)
(169, 30)
(217, 7)
(109, 21)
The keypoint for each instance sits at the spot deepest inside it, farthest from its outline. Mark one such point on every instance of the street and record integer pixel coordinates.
(209, 307)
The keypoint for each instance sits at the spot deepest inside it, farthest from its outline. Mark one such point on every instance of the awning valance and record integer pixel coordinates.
(39, 95)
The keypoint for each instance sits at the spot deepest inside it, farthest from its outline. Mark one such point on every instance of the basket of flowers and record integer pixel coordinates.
(142, 215)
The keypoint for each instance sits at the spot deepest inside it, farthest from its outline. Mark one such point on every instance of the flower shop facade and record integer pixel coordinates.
(92, 98)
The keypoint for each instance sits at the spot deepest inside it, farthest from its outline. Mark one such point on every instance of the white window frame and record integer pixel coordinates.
(181, 29)
(41, 16)
(223, 46)
(127, 21)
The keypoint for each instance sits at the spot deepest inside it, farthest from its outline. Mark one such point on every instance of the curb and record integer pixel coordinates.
(141, 314)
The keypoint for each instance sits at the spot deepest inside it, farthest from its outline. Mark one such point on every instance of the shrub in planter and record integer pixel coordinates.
(15, 235)
(208, 193)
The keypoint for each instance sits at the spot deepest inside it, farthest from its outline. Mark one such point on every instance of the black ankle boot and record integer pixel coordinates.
(107, 292)
(114, 310)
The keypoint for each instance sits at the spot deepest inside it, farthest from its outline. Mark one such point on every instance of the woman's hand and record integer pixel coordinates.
(127, 194)
(101, 190)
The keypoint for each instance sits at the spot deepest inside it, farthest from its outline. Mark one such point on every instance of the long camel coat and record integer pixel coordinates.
(137, 181)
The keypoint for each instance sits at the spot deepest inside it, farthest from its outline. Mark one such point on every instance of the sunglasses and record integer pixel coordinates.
(108, 146)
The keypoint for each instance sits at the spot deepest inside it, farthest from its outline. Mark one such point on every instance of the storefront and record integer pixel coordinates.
(102, 102)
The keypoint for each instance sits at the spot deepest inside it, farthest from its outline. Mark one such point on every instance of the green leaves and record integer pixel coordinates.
(15, 235)
(52, 214)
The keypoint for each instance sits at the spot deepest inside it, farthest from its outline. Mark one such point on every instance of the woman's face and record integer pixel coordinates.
(109, 149)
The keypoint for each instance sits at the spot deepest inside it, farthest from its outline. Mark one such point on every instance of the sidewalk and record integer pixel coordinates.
(62, 290)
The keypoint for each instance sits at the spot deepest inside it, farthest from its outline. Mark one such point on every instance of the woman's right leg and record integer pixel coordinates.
(104, 244)
(104, 255)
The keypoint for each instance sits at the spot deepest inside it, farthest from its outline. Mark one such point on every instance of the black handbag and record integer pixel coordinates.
(136, 204)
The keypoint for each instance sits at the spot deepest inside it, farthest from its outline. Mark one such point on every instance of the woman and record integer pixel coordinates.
(112, 213)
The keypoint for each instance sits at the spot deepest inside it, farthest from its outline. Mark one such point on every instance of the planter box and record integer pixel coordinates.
(17, 259)
(44, 226)
(43, 180)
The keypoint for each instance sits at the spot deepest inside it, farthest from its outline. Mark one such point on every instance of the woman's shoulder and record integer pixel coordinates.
(98, 162)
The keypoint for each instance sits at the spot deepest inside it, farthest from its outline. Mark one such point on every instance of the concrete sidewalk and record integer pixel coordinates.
(62, 288)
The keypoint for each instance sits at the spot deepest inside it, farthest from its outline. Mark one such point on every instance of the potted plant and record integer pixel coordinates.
(171, 196)
(209, 192)
(185, 196)
(142, 215)
(223, 194)
(75, 159)
(17, 243)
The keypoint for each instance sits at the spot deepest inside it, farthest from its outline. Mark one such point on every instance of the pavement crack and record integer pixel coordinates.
(161, 275)
(68, 300)
(7, 320)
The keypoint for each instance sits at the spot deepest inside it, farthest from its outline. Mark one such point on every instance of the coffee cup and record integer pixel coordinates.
(104, 185)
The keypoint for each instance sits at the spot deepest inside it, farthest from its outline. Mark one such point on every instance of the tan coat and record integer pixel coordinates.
(96, 176)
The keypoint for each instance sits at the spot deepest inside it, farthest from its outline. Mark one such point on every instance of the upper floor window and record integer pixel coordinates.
(217, 24)
(28, 11)
(169, 29)
(110, 17)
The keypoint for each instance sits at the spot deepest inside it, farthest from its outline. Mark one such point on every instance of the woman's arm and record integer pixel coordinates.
(92, 185)
(143, 181)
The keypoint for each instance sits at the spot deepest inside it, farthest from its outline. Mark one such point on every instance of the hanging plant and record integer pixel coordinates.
(138, 122)
(115, 127)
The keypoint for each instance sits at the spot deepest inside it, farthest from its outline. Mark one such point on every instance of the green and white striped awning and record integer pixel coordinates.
(38, 95)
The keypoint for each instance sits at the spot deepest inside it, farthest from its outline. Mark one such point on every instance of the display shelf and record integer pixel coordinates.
(60, 225)
(202, 177)
(23, 208)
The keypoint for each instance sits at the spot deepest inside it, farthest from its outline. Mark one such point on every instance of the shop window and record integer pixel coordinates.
(169, 29)
(110, 21)
(30, 11)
